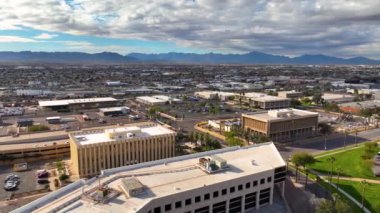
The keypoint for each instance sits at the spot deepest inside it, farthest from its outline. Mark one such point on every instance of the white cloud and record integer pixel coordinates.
(8, 39)
(45, 36)
(274, 26)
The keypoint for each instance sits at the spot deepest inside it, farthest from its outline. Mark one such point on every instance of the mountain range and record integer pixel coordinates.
(172, 57)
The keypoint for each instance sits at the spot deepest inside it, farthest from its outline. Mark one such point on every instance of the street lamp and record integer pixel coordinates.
(345, 138)
(356, 137)
(364, 185)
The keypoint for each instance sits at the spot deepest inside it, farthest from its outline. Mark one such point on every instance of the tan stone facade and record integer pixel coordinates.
(89, 159)
(281, 129)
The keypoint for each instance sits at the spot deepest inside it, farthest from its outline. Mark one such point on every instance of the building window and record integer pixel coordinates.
(269, 179)
(178, 204)
(254, 183)
(207, 196)
(240, 187)
(224, 191)
(232, 189)
(248, 185)
(262, 181)
(168, 207)
(215, 194)
(188, 202)
(157, 210)
(198, 199)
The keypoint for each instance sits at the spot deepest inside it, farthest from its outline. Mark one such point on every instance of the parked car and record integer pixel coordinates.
(42, 174)
(42, 181)
(9, 185)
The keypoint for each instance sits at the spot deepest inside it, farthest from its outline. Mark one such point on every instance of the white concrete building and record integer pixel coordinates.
(157, 100)
(223, 96)
(234, 179)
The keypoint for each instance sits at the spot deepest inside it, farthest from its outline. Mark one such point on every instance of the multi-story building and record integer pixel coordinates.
(234, 179)
(96, 149)
(264, 101)
(290, 94)
(282, 124)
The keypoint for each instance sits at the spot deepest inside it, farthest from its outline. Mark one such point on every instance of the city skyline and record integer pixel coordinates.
(338, 28)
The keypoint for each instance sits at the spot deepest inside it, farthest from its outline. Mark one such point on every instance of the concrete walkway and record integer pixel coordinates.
(353, 179)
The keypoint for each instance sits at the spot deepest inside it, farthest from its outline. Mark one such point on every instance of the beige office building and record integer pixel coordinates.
(290, 94)
(94, 150)
(282, 124)
(264, 101)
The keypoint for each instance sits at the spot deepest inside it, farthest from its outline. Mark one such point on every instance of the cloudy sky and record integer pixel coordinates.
(342, 28)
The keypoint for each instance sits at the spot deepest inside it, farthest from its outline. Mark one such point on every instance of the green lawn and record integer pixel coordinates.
(372, 193)
(350, 162)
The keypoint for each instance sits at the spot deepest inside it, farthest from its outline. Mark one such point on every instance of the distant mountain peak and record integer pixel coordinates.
(253, 57)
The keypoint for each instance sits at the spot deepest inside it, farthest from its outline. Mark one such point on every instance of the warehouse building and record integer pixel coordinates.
(282, 125)
(93, 150)
(157, 100)
(264, 101)
(234, 179)
(78, 104)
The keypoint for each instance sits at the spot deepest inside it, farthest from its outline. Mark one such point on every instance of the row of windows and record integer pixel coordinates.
(215, 194)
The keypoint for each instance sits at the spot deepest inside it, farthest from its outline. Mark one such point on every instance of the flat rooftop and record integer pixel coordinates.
(163, 178)
(140, 130)
(264, 97)
(280, 114)
(157, 99)
(74, 101)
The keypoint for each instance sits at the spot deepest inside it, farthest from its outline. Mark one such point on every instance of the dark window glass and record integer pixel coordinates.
(240, 187)
(269, 179)
(224, 191)
(232, 189)
(207, 197)
(168, 207)
(157, 210)
(255, 183)
(216, 194)
(262, 181)
(198, 199)
(188, 202)
(178, 204)
(248, 185)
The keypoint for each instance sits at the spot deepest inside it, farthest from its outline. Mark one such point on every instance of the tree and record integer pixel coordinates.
(331, 160)
(302, 159)
(317, 98)
(336, 205)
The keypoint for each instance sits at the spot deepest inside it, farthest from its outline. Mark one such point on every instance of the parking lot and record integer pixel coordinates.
(28, 181)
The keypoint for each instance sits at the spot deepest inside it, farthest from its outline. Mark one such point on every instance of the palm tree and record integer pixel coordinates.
(331, 160)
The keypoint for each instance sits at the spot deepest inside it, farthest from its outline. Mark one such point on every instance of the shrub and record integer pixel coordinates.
(38, 128)
(63, 177)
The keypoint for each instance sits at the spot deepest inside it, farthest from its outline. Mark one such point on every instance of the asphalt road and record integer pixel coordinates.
(316, 145)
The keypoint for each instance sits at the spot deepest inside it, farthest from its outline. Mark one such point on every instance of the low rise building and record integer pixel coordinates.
(157, 100)
(93, 150)
(114, 111)
(77, 104)
(337, 98)
(356, 107)
(290, 94)
(223, 96)
(234, 179)
(264, 101)
(282, 124)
